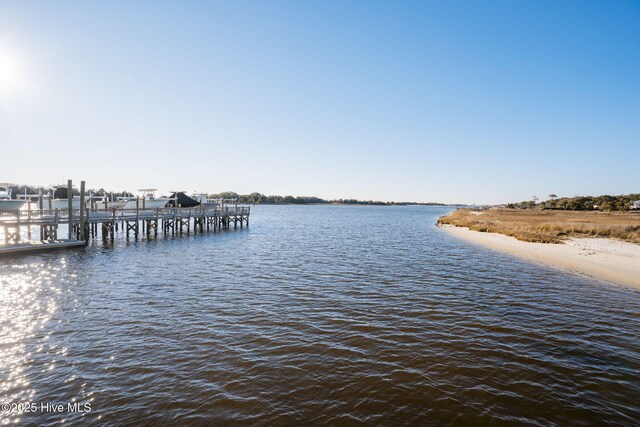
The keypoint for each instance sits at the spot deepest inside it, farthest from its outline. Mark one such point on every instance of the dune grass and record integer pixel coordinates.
(534, 225)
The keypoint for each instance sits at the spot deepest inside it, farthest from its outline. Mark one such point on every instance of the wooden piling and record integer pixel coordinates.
(70, 207)
(83, 231)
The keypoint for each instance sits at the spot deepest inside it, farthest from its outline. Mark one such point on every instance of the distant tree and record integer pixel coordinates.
(254, 198)
(605, 206)
(553, 196)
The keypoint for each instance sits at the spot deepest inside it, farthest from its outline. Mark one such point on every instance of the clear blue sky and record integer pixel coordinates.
(475, 101)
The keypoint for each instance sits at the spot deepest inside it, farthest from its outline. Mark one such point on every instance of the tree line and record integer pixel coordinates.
(580, 203)
(253, 198)
(261, 199)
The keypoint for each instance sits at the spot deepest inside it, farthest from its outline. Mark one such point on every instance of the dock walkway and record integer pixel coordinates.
(39, 246)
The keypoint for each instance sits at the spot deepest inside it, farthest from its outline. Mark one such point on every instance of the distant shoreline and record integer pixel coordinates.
(245, 199)
(610, 260)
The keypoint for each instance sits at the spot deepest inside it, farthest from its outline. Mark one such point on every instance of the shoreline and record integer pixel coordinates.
(609, 260)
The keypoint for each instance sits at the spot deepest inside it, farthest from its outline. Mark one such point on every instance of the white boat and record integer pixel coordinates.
(119, 202)
(95, 202)
(204, 201)
(6, 202)
(147, 201)
(60, 199)
(64, 203)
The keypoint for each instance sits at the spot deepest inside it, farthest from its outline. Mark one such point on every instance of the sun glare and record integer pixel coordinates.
(12, 72)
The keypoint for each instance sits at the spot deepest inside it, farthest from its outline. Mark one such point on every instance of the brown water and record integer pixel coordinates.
(315, 315)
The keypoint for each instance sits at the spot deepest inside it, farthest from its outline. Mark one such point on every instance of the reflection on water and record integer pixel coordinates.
(318, 315)
(27, 303)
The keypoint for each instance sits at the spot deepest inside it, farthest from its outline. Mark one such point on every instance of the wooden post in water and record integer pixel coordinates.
(56, 220)
(113, 223)
(28, 219)
(137, 214)
(83, 234)
(17, 235)
(70, 207)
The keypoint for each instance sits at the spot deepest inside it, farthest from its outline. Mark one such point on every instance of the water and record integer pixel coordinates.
(315, 315)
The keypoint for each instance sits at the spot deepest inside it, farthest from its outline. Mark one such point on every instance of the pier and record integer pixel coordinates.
(98, 220)
(86, 223)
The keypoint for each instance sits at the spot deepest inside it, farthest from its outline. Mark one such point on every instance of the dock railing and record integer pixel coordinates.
(36, 217)
(97, 215)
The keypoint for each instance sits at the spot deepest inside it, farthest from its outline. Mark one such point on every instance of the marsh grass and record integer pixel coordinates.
(531, 225)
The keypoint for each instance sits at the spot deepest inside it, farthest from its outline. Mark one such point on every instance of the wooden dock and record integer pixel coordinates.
(92, 223)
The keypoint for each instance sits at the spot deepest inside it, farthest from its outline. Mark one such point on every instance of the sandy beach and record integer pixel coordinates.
(605, 259)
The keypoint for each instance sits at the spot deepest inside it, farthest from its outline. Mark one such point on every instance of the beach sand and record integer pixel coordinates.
(605, 259)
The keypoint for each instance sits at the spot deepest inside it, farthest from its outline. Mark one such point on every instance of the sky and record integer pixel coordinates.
(443, 101)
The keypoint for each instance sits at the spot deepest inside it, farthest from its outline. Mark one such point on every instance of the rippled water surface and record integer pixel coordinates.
(315, 315)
